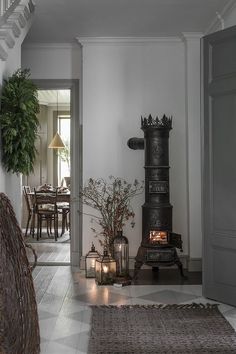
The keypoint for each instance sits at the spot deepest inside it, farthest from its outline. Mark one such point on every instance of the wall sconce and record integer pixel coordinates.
(90, 261)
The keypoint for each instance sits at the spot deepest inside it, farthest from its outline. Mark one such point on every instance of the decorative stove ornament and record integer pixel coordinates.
(159, 243)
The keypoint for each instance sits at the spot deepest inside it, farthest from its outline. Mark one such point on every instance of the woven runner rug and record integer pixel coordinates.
(160, 329)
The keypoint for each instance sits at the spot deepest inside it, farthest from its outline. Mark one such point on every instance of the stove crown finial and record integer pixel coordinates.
(164, 122)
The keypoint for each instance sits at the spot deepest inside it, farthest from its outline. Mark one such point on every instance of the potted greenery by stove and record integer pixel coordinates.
(19, 122)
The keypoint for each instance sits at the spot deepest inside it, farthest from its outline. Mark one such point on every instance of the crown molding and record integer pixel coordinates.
(187, 37)
(126, 40)
(38, 45)
(192, 35)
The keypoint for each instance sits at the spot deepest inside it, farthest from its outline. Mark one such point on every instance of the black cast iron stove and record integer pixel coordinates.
(159, 243)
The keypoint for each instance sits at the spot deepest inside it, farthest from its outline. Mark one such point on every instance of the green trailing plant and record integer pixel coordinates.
(19, 122)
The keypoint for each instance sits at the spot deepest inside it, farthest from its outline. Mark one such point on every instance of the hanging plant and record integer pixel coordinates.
(19, 122)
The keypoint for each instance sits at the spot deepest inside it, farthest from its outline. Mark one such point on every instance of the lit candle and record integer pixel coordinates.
(93, 263)
(105, 268)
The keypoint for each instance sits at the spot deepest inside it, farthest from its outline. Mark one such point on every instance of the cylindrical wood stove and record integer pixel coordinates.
(159, 243)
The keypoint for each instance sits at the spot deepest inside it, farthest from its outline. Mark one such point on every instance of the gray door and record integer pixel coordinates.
(219, 166)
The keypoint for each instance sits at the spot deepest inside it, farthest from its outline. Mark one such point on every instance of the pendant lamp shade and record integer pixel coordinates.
(56, 142)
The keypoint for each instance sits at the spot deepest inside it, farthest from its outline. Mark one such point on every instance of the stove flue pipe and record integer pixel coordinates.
(136, 143)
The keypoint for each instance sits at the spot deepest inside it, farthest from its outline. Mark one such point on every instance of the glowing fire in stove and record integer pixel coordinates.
(158, 237)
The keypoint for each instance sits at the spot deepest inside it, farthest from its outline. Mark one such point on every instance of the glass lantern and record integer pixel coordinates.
(121, 254)
(90, 260)
(105, 269)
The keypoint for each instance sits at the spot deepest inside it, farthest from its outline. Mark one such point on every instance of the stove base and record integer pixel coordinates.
(158, 256)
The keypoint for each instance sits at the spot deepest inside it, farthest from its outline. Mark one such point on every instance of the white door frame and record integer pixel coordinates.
(76, 161)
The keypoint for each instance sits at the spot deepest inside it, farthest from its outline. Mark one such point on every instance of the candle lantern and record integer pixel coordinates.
(90, 260)
(105, 269)
(121, 254)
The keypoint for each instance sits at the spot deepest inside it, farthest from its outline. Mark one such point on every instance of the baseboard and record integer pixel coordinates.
(82, 262)
(195, 265)
(183, 258)
(52, 264)
(74, 259)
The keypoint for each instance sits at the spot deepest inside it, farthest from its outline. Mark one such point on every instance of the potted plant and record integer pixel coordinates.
(112, 201)
(19, 122)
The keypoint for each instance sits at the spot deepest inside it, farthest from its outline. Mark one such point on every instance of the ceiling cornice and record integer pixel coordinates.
(50, 45)
(126, 40)
(191, 36)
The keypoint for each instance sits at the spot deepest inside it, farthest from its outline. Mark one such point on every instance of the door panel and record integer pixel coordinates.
(224, 168)
(223, 51)
(219, 166)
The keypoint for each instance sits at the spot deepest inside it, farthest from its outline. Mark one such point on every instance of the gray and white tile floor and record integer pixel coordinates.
(64, 297)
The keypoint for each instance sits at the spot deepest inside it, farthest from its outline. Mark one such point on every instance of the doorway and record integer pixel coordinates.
(65, 119)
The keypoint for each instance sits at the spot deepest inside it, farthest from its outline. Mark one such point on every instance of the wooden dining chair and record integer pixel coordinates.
(30, 210)
(64, 210)
(63, 207)
(46, 210)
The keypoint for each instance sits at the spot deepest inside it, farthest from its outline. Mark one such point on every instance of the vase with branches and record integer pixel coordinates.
(112, 200)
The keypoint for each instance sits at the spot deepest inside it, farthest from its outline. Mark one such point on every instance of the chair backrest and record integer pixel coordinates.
(46, 200)
(18, 309)
(28, 200)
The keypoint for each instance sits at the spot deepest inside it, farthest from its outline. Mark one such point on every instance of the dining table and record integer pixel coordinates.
(61, 197)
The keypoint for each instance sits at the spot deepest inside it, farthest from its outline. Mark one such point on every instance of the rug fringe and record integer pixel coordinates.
(162, 306)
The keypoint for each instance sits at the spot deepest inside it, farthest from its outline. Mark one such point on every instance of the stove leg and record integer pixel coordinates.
(155, 269)
(180, 266)
(137, 267)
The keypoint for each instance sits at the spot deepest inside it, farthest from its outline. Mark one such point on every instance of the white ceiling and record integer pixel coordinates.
(61, 21)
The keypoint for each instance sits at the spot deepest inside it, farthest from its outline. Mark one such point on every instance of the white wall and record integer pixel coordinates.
(192, 105)
(52, 61)
(121, 82)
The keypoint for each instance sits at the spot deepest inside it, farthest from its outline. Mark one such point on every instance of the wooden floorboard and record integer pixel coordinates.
(50, 252)
(51, 286)
(42, 281)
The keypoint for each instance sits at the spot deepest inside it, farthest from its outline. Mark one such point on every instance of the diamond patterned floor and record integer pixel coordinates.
(64, 298)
